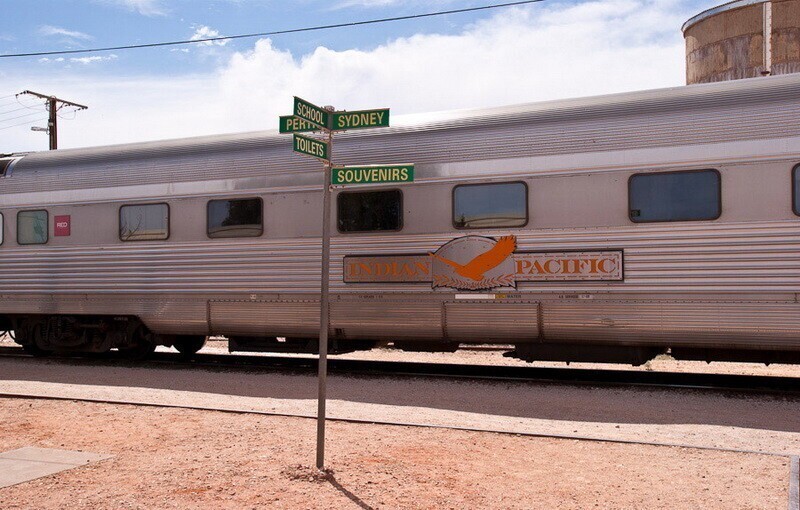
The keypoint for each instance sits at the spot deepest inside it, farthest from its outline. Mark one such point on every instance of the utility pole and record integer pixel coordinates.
(52, 108)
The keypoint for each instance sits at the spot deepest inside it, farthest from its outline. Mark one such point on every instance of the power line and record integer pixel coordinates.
(21, 116)
(14, 110)
(29, 107)
(276, 32)
(23, 123)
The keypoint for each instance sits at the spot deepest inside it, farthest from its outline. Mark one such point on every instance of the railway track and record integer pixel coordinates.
(568, 375)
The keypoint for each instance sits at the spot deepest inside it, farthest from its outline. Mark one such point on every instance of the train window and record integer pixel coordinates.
(235, 218)
(490, 205)
(32, 227)
(675, 196)
(370, 211)
(145, 222)
(796, 190)
(1, 229)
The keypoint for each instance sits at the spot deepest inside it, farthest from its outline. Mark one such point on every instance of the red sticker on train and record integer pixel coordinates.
(63, 225)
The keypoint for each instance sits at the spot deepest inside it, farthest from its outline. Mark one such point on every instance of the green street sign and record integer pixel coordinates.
(311, 113)
(361, 119)
(292, 124)
(311, 146)
(373, 174)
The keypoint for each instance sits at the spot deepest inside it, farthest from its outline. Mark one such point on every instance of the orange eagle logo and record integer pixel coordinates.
(476, 268)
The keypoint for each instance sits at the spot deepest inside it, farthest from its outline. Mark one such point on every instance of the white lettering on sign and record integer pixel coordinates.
(297, 124)
(311, 147)
(62, 225)
(355, 120)
(307, 112)
(345, 175)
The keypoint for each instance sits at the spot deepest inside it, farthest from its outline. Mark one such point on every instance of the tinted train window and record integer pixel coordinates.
(490, 205)
(370, 211)
(32, 227)
(796, 190)
(675, 196)
(235, 218)
(147, 222)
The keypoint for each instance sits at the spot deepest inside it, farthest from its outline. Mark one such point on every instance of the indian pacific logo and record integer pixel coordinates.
(484, 263)
(475, 263)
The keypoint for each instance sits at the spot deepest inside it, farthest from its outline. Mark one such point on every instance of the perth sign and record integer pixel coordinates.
(292, 124)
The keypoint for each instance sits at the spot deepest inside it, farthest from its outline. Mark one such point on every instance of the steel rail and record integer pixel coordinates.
(570, 375)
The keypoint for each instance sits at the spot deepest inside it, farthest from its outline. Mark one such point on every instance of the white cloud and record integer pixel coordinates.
(344, 4)
(93, 59)
(49, 30)
(143, 7)
(517, 55)
(204, 32)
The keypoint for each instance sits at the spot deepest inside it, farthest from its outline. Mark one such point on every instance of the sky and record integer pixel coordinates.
(550, 50)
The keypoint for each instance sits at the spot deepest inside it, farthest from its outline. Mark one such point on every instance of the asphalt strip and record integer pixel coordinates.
(235, 410)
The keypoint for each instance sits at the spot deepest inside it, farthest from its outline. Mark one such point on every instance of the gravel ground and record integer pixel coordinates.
(178, 458)
(702, 418)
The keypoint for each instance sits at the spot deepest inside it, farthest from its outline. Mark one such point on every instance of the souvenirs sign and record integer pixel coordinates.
(483, 263)
(373, 174)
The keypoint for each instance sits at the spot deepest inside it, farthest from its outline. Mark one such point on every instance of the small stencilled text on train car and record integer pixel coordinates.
(480, 263)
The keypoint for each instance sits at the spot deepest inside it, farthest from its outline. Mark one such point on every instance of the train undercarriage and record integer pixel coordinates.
(41, 335)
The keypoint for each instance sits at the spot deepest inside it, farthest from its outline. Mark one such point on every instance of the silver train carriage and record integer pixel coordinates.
(609, 229)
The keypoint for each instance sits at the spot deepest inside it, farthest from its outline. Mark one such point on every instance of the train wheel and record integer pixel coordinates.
(36, 351)
(31, 345)
(142, 345)
(188, 345)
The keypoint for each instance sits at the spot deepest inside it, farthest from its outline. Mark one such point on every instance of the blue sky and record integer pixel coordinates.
(550, 50)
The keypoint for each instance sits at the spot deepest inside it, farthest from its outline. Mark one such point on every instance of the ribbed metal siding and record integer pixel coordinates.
(752, 257)
(290, 318)
(386, 319)
(683, 116)
(488, 321)
(700, 323)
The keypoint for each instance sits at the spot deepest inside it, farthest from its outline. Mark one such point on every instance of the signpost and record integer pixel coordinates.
(307, 118)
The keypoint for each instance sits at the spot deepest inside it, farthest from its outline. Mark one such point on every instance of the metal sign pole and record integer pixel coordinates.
(309, 117)
(324, 303)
